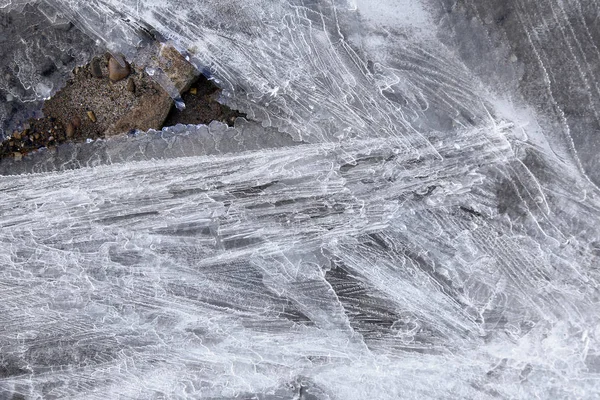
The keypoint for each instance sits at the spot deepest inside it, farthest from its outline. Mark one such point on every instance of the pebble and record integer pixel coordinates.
(91, 116)
(18, 156)
(70, 130)
(76, 121)
(194, 91)
(116, 71)
(95, 68)
(16, 135)
(131, 85)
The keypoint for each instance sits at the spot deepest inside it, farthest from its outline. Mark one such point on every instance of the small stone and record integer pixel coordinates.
(36, 136)
(91, 116)
(18, 156)
(70, 130)
(95, 68)
(16, 135)
(177, 68)
(149, 113)
(131, 85)
(194, 91)
(116, 71)
(76, 121)
(51, 138)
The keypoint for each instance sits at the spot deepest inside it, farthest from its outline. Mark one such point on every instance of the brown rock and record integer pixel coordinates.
(131, 85)
(76, 121)
(177, 68)
(91, 116)
(18, 156)
(70, 130)
(16, 135)
(116, 71)
(95, 68)
(149, 113)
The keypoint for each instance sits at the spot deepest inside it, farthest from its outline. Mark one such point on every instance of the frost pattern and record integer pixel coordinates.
(392, 224)
(38, 50)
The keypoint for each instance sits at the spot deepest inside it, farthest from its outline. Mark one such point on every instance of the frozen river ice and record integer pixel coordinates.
(412, 211)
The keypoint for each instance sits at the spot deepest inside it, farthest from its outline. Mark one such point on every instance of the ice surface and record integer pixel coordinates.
(37, 50)
(402, 217)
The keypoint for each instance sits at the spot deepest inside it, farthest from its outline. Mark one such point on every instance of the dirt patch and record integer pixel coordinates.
(201, 106)
(91, 106)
